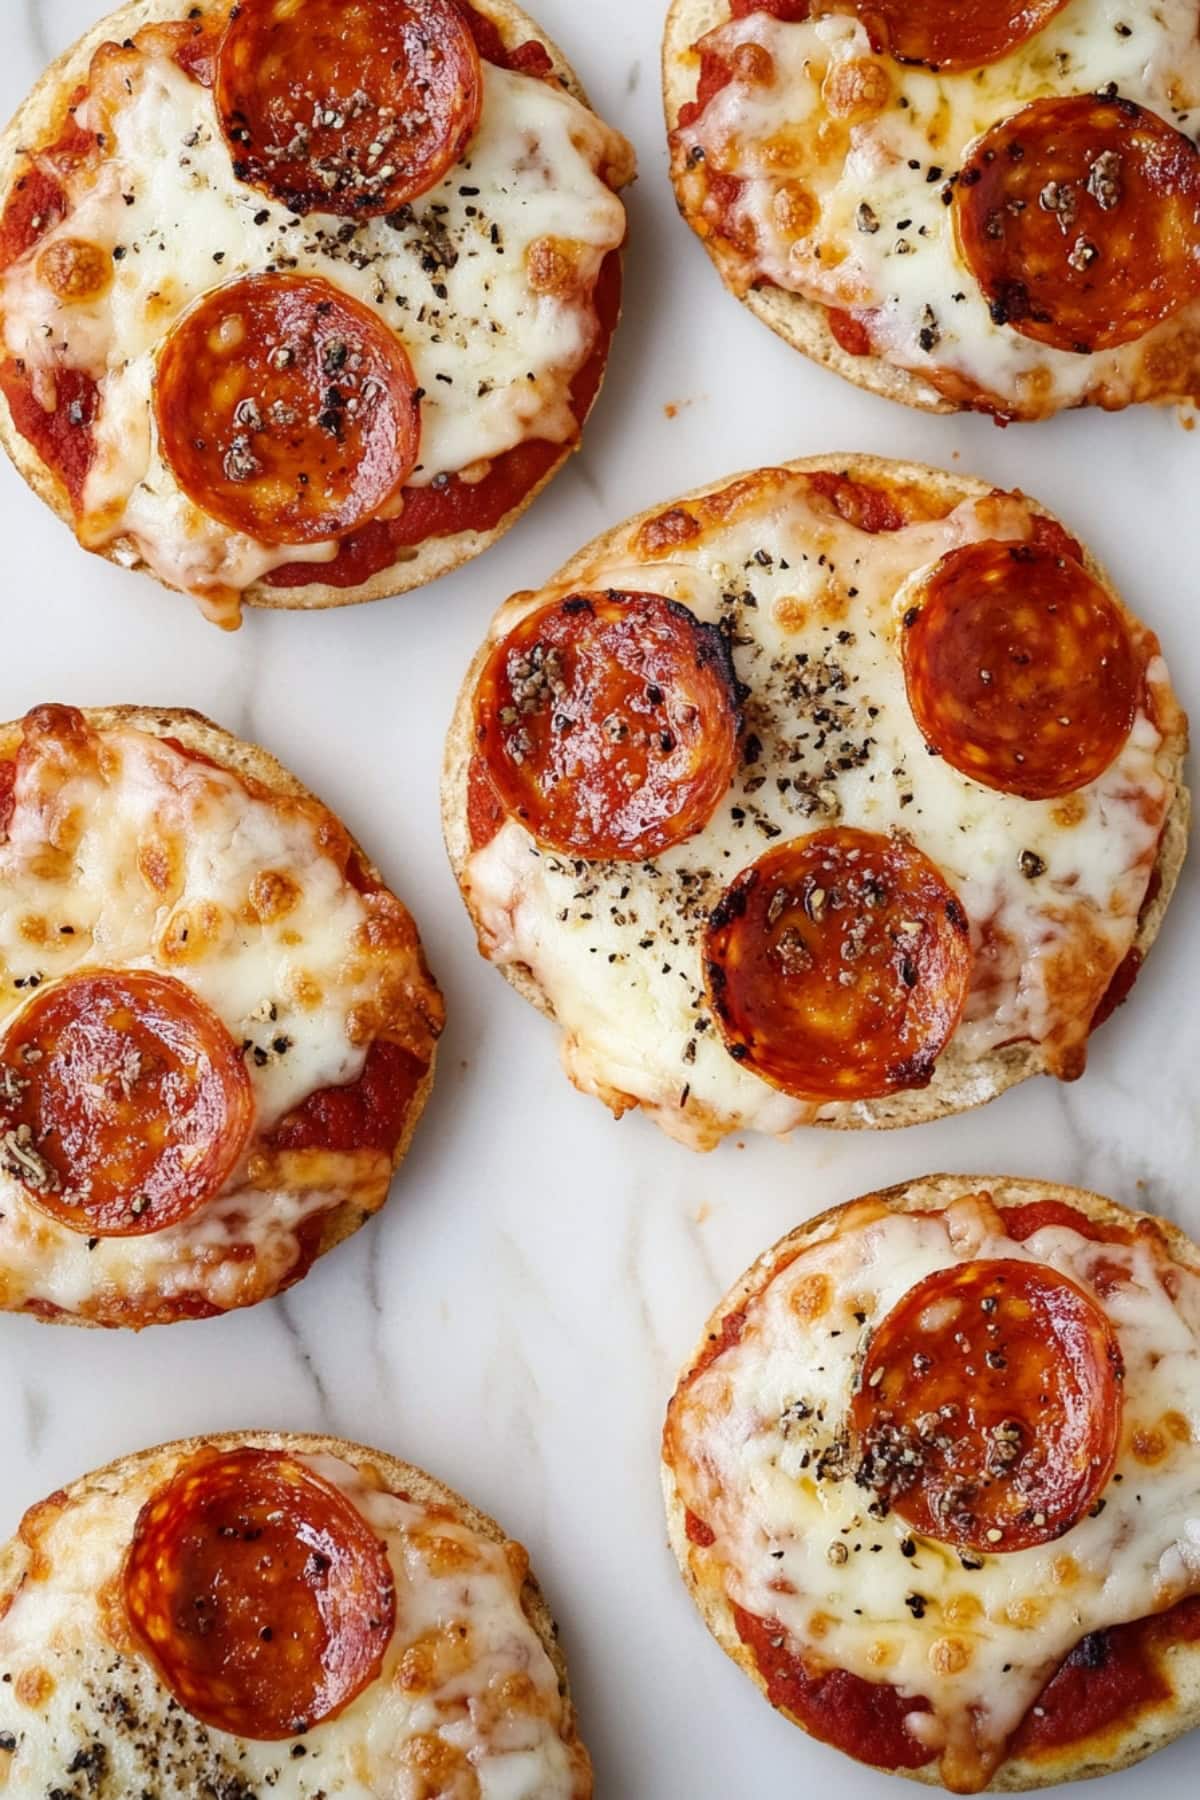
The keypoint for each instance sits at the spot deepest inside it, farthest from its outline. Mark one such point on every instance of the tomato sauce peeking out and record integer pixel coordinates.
(790, 929)
(609, 724)
(126, 1103)
(865, 1719)
(447, 507)
(259, 1593)
(1111, 1679)
(1021, 671)
(398, 91)
(1080, 219)
(367, 1114)
(987, 1412)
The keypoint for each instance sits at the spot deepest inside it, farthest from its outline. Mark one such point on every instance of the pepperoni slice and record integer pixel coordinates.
(1080, 220)
(286, 409)
(609, 724)
(347, 106)
(838, 964)
(1020, 670)
(988, 1408)
(259, 1593)
(124, 1102)
(952, 34)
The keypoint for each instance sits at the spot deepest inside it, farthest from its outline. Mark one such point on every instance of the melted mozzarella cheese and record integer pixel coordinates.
(467, 1696)
(451, 275)
(745, 1438)
(152, 860)
(616, 947)
(899, 261)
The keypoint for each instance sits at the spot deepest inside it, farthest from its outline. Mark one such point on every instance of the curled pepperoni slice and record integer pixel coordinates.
(286, 409)
(837, 966)
(260, 1594)
(1080, 220)
(347, 106)
(988, 1408)
(609, 724)
(124, 1102)
(952, 34)
(1020, 670)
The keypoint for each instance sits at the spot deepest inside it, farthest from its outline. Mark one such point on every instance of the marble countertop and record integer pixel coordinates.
(515, 1319)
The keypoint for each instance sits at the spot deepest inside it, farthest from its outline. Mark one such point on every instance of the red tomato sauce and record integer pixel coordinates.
(1108, 1681)
(863, 1718)
(849, 332)
(485, 815)
(1021, 1222)
(869, 508)
(367, 1114)
(456, 505)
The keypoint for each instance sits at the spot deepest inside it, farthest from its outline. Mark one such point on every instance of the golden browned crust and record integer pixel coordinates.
(39, 117)
(958, 1084)
(403, 1479)
(1101, 1754)
(196, 732)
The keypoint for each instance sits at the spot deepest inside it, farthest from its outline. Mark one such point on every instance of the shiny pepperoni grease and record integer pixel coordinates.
(1080, 220)
(124, 1103)
(1020, 669)
(987, 1412)
(609, 724)
(286, 409)
(347, 106)
(838, 965)
(260, 1594)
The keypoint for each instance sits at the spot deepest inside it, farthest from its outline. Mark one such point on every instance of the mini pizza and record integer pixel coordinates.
(933, 1476)
(217, 1028)
(961, 206)
(843, 794)
(303, 301)
(281, 1615)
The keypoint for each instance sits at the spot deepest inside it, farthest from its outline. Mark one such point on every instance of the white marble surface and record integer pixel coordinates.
(515, 1319)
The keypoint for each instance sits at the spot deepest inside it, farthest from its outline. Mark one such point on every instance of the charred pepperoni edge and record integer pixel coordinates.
(486, 812)
(911, 1072)
(68, 448)
(431, 512)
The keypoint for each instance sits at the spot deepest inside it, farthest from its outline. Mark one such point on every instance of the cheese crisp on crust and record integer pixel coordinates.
(195, 960)
(830, 181)
(814, 579)
(469, 1701)
(468, 344)
(974, 1664)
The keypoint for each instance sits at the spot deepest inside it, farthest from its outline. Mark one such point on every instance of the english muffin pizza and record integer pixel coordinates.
(933, 1476)
(217, 1028)
(271, 1614)
(844, 793)
(303, 301)
(993, 207)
